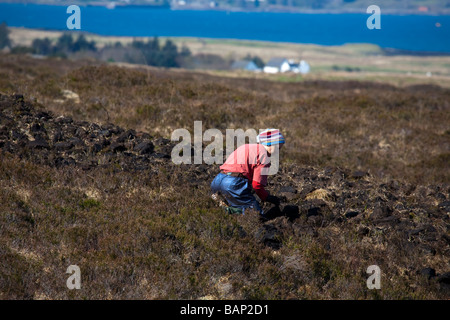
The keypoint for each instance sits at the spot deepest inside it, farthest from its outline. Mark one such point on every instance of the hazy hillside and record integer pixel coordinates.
(86, 179)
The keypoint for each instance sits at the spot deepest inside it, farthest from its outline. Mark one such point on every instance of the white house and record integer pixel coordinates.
(302, 67)
(276, 65)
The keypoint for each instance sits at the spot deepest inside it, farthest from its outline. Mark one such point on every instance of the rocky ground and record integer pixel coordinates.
(59, 141)
(335, 221)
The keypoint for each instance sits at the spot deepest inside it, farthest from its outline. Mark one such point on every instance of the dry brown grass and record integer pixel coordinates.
(390, 131)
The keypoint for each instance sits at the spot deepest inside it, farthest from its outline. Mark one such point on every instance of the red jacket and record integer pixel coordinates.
(250, 159)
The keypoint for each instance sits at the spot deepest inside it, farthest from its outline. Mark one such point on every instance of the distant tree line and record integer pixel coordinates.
(65, 45)
(4, 36)
(150, 52)
(256, 60)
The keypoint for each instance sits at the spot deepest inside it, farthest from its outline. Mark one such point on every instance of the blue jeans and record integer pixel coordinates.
(236, 190)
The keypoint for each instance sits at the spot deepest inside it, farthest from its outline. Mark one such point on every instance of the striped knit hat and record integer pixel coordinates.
(270, 137)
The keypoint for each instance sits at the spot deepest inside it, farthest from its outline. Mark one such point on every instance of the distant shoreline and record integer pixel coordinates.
(274, 9)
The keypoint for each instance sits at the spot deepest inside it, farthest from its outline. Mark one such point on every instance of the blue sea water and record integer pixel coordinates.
(407, 32)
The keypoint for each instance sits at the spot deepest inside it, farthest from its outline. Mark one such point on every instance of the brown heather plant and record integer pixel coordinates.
(365, 172)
